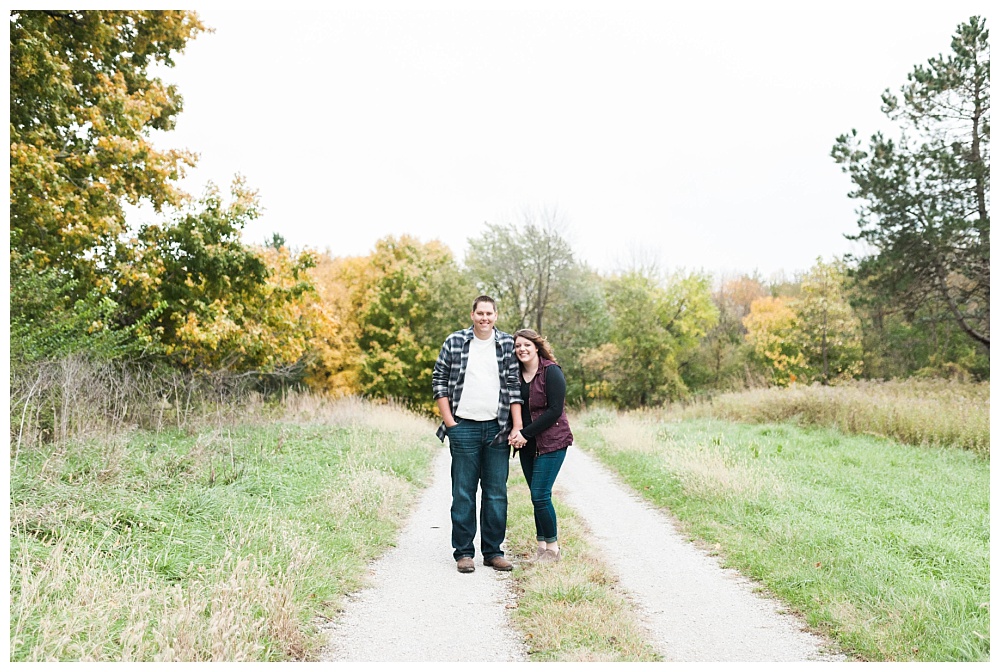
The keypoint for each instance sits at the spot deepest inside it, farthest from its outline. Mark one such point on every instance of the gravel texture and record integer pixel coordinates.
(419, 608)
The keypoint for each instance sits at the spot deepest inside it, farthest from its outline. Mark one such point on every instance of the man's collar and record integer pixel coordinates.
(471, 333)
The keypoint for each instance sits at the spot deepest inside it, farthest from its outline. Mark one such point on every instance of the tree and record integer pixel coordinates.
(522, 266)
(415, 297)
(82, 106)
(221, 304)
(721, 355)
(341, 284)
(830, 331)
(578, 320)
(656, 326)
(924, 198)
(773, 332)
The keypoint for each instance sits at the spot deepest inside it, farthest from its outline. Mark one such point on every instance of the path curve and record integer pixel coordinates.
(419, 608)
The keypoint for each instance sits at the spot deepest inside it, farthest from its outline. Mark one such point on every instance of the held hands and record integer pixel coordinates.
(516, 439)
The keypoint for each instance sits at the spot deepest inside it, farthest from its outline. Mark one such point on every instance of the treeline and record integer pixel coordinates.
(188, 296)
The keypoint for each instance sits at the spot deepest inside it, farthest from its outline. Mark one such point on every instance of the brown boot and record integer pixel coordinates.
(466, 565)
(499, 563)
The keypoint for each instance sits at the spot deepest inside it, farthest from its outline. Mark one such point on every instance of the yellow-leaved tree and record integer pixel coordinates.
(340, 286)
(774, 332)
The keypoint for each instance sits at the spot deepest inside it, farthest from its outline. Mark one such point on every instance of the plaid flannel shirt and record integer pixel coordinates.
(448, 376)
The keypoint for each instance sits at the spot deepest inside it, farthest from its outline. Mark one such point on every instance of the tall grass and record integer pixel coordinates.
(76, 396)
(227, 542)
(880, 545)
(918, 412)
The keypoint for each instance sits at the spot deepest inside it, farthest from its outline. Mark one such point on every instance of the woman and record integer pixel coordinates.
(546, 434)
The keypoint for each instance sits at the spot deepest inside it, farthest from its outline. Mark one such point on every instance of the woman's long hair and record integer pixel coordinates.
(544, 349)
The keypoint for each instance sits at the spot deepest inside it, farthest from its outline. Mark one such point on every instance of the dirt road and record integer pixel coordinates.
(419, 608)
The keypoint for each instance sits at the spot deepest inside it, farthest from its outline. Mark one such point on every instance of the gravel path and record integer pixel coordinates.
(694, 609)
(418, 608)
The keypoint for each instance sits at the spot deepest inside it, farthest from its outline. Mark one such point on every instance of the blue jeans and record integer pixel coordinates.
(473, 462)
(540, 472)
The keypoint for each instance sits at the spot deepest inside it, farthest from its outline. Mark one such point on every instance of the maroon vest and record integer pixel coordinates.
(558, 436)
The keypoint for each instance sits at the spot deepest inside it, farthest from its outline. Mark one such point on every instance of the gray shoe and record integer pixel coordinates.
(549, 556)
(466, 565)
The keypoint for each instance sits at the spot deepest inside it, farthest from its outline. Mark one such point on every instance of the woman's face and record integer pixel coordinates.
(525, 350)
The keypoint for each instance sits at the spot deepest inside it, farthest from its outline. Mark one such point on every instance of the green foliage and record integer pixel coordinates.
(829, 329)
(199, 269)
(900, 341)
(415, 298)
(579, 320)
(924, 196)
(654, 328)
(46, 323)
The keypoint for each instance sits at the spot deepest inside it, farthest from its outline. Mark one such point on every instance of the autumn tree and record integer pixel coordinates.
(829, 329)
(774, 333)
(924, 195)
(82, 106)
(220, 304)
(341, 283)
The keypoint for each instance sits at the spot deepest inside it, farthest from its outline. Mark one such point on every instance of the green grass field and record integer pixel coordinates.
(235, 539)
(219, 544)
(881, 545)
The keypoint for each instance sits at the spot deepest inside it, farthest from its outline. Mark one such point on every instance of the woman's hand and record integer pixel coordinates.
(516, 439)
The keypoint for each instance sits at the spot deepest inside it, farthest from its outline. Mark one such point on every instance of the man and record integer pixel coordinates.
(476, 388)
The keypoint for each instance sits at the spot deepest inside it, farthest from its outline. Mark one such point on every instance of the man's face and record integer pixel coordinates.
(483, 318)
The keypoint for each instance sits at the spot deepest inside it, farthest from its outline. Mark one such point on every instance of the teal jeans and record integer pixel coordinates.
(540, 472)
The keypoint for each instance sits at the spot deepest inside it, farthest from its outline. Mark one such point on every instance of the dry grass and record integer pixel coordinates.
(574, 610)
(213, 544)
(918, 412)
(79, 398)
(88, 608)
(307, 408)
(708, 467)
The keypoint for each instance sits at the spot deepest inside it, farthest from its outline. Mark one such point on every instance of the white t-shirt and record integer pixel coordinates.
(481, 391)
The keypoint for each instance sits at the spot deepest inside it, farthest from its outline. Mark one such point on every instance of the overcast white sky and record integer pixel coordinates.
(699, 137)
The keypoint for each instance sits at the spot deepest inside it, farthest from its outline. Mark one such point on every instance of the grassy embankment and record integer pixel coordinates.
(880, 544)
(226, 543)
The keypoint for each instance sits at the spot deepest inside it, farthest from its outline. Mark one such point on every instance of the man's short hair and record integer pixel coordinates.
(484, 299)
